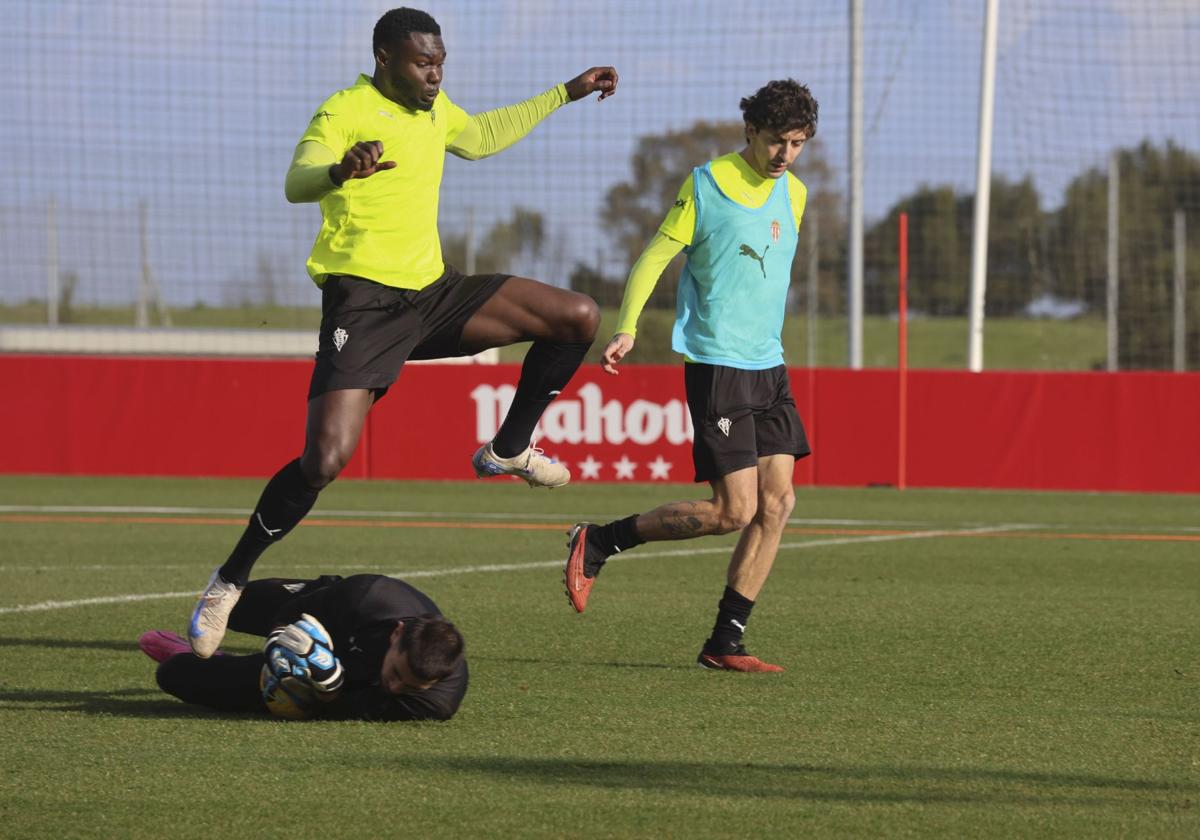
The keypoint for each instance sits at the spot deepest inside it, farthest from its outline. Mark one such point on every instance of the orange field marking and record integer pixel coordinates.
(78, 519)
(1038, 535)
(1032, 535)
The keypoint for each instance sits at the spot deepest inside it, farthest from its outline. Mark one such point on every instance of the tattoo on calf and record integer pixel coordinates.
(681, 526)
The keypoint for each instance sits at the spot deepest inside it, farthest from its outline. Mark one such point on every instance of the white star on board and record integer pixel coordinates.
(659, 469)
(589, 468)
(624, 468)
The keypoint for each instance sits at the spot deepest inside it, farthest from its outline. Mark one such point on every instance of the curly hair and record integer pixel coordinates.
(781, 106)
(398, 24)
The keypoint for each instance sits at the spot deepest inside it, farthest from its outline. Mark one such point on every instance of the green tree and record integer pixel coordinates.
(938, 256)
(522, 235)
(604, 290)
(940, 225)
(1015, 272)
(1155, 182)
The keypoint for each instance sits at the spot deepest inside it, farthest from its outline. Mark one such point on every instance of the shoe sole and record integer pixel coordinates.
(710, 664)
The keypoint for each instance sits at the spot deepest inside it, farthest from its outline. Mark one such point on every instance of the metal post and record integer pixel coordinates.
(1180, 292)
(53, 292)
(1114, 200)
(141, 314)
(902, 354)
(149, 287)
(854, 297)
(983, 197)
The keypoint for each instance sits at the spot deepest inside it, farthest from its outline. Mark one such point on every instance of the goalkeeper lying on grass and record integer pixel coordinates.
(366, 647)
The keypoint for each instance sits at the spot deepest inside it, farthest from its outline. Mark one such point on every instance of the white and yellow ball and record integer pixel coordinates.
(288, 697)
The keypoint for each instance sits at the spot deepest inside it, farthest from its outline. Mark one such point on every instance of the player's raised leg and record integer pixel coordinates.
(335, 422)
(562, 325)
(589, 546)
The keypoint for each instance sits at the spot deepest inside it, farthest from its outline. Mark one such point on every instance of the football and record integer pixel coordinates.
(288, 698)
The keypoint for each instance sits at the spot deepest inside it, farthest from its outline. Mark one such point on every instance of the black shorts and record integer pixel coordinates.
(369, 330)
(740, 416)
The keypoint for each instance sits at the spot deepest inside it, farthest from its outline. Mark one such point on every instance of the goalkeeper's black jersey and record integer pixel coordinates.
(360, 612)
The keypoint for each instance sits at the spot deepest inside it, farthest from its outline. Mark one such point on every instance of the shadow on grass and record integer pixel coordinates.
(125, 702)
(76, 644)
(816, 782)
(544, 660)
(130, 646)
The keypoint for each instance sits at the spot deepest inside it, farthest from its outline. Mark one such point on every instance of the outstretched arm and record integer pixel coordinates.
(496, 130)
(642, 280)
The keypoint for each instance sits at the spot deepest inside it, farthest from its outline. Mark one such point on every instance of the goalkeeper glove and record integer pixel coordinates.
(304, 650)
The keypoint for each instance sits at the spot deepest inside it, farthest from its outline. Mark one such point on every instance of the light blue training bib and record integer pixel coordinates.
(733, 291)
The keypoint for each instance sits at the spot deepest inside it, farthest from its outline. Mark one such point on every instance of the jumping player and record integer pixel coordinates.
(372, 156)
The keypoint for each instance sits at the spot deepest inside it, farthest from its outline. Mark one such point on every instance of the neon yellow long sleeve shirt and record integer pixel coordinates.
(384, 227)
(484, 135)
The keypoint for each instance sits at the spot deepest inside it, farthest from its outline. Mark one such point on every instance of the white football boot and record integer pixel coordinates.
(531, 465)
(207, 627)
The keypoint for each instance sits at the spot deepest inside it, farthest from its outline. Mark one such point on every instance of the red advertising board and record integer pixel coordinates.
(85, 415)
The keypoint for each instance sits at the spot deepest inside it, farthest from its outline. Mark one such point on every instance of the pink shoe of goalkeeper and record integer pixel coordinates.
(161, 645)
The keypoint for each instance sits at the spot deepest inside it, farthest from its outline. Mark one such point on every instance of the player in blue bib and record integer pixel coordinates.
(736, 218)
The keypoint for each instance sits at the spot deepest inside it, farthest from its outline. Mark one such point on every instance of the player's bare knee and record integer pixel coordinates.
(735, 517)
(739, 521)
(583, 319)
(322, 466)
(775, 508)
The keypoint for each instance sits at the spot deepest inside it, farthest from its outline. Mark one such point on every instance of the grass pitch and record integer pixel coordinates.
(958, 664)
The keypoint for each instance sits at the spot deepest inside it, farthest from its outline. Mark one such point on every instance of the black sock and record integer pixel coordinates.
(285, 500)
(546, 371)
(733, 614)
(605, 540)
(618, 535)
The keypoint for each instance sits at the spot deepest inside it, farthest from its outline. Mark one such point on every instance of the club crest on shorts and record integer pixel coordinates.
(775, 230)
(724, 425)
(340, 336)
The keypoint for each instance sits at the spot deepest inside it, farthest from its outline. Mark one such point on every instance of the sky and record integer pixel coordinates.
(192, 109)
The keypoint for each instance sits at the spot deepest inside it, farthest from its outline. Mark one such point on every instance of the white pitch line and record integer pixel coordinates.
(517, 567)
(115, 509)
(87, 602)
(153, 510)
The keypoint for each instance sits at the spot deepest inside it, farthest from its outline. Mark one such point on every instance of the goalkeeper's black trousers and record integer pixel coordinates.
(226, 682)
(229, 682)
